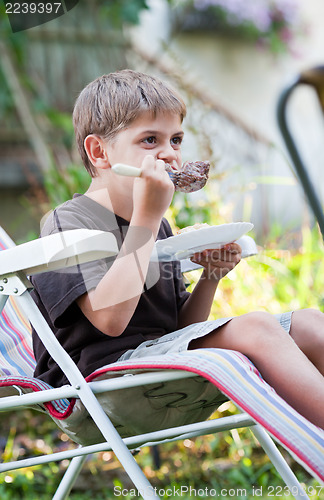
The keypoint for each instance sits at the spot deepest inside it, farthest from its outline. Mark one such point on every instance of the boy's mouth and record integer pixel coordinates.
(169, 168)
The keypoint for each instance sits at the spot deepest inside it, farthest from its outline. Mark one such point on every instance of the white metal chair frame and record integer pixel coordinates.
(15, 283)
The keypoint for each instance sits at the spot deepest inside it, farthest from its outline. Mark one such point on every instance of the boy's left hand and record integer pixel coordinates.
(218, 262)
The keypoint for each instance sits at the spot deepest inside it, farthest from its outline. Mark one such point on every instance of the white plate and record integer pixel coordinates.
(184, 245)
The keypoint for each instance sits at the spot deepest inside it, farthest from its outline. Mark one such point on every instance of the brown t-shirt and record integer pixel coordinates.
(55, 293)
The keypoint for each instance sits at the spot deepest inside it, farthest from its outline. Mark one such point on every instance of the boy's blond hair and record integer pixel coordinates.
(112, 102)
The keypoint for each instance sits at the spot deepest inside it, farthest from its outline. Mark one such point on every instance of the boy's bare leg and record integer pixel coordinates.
(278, 358)
(307, 330)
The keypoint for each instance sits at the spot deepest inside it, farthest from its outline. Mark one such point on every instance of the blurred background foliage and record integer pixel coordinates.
(274, 280)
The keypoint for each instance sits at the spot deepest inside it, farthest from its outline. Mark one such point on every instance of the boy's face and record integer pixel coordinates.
(159, 136)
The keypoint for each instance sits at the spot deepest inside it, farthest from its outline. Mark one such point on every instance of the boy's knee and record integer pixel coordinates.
(312, 314)
(307, 320)
(254, 334)
(308, 313)
(260, 320)
(262, 329)
(308, 330)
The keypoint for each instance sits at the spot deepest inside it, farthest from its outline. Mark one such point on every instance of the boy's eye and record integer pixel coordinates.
(150, 140)
(176, 141)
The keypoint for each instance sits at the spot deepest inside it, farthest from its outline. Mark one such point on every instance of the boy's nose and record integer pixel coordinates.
(167, 154)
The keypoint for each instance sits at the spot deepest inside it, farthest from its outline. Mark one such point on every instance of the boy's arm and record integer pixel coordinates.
(111, 305)
(216, 263)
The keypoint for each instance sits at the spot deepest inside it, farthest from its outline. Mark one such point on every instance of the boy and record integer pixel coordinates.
(100, 312)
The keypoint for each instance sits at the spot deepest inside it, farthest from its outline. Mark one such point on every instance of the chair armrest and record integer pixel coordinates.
(53, 252)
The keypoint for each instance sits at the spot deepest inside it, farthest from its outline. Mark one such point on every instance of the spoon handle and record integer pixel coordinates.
(123, 169)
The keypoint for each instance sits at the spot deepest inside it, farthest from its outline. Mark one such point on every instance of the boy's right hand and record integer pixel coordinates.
(153, 190)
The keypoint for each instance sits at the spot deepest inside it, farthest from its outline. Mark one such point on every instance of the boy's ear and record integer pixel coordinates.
(96, 151)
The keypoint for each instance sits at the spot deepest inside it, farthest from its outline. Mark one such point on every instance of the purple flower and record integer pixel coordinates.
(258, 12)
(267, 16)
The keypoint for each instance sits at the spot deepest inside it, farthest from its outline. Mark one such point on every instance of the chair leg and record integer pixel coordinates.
(69, 477)
(3, 300)
(279, 462)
